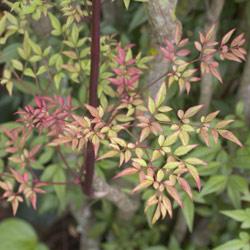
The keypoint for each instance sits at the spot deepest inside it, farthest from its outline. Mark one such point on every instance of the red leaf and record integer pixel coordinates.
(185, 186)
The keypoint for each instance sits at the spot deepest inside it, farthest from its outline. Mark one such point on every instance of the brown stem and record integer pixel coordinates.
(88, 167)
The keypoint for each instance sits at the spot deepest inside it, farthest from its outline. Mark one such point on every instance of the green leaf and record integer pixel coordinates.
(188, 212)
(41, 70)
(240, 215)
(9, 52)
(46, 156)
(182, 150)
(161, 95)
(75, 34)
(29, 72)
(55, 24)
(16, 234)
(231, 245)
(215, 184)
(139, 18)
(236, 186)
(17, 64)
(151, 105)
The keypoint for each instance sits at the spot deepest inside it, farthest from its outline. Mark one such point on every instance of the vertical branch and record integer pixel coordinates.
(89, 165)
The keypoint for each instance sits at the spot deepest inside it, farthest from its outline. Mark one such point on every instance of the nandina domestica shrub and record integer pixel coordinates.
(92, 103)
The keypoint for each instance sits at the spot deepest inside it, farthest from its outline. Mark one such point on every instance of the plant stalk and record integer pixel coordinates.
(89, 165)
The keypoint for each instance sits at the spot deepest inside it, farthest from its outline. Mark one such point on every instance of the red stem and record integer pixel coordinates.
(89, 165)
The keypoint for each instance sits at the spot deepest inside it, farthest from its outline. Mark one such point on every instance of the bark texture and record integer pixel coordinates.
(163, 22)
(244, 91)
(126, 204)
(214, 9)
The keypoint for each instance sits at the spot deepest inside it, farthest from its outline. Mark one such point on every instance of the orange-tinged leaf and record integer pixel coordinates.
(227, 37)
(144, 134)
(204, 135)
(166, 202)
(93, 111)
(215, 135)
(125, 172)
(157, 215)
(216, 74)
(198, 46)
(229, 136)
(211, 116)
(185, 186)
(178, 33)
(223, 124)
(174, 194)
(144, 184)
(17, 176)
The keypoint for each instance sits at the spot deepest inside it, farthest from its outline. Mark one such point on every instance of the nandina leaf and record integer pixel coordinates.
(193, 171)
(210, 117)
(151, 105)
(144, 184)
(156, 154)
(188, 212)
(174, 194)
(157, 214)
(198, 46)
(204, 135)
(160, 175)
(227, 37)
(109, 154)
(192, 111)
(171, 139)
(166, 202)
(195, 161)
(182, 150)
(144, 134)
(93, 111)
(151, 201)
(125, 172)
(185, 186)
(172, 165)
(161, 95)
(223, 124)
(230, 136)
(162, 118)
